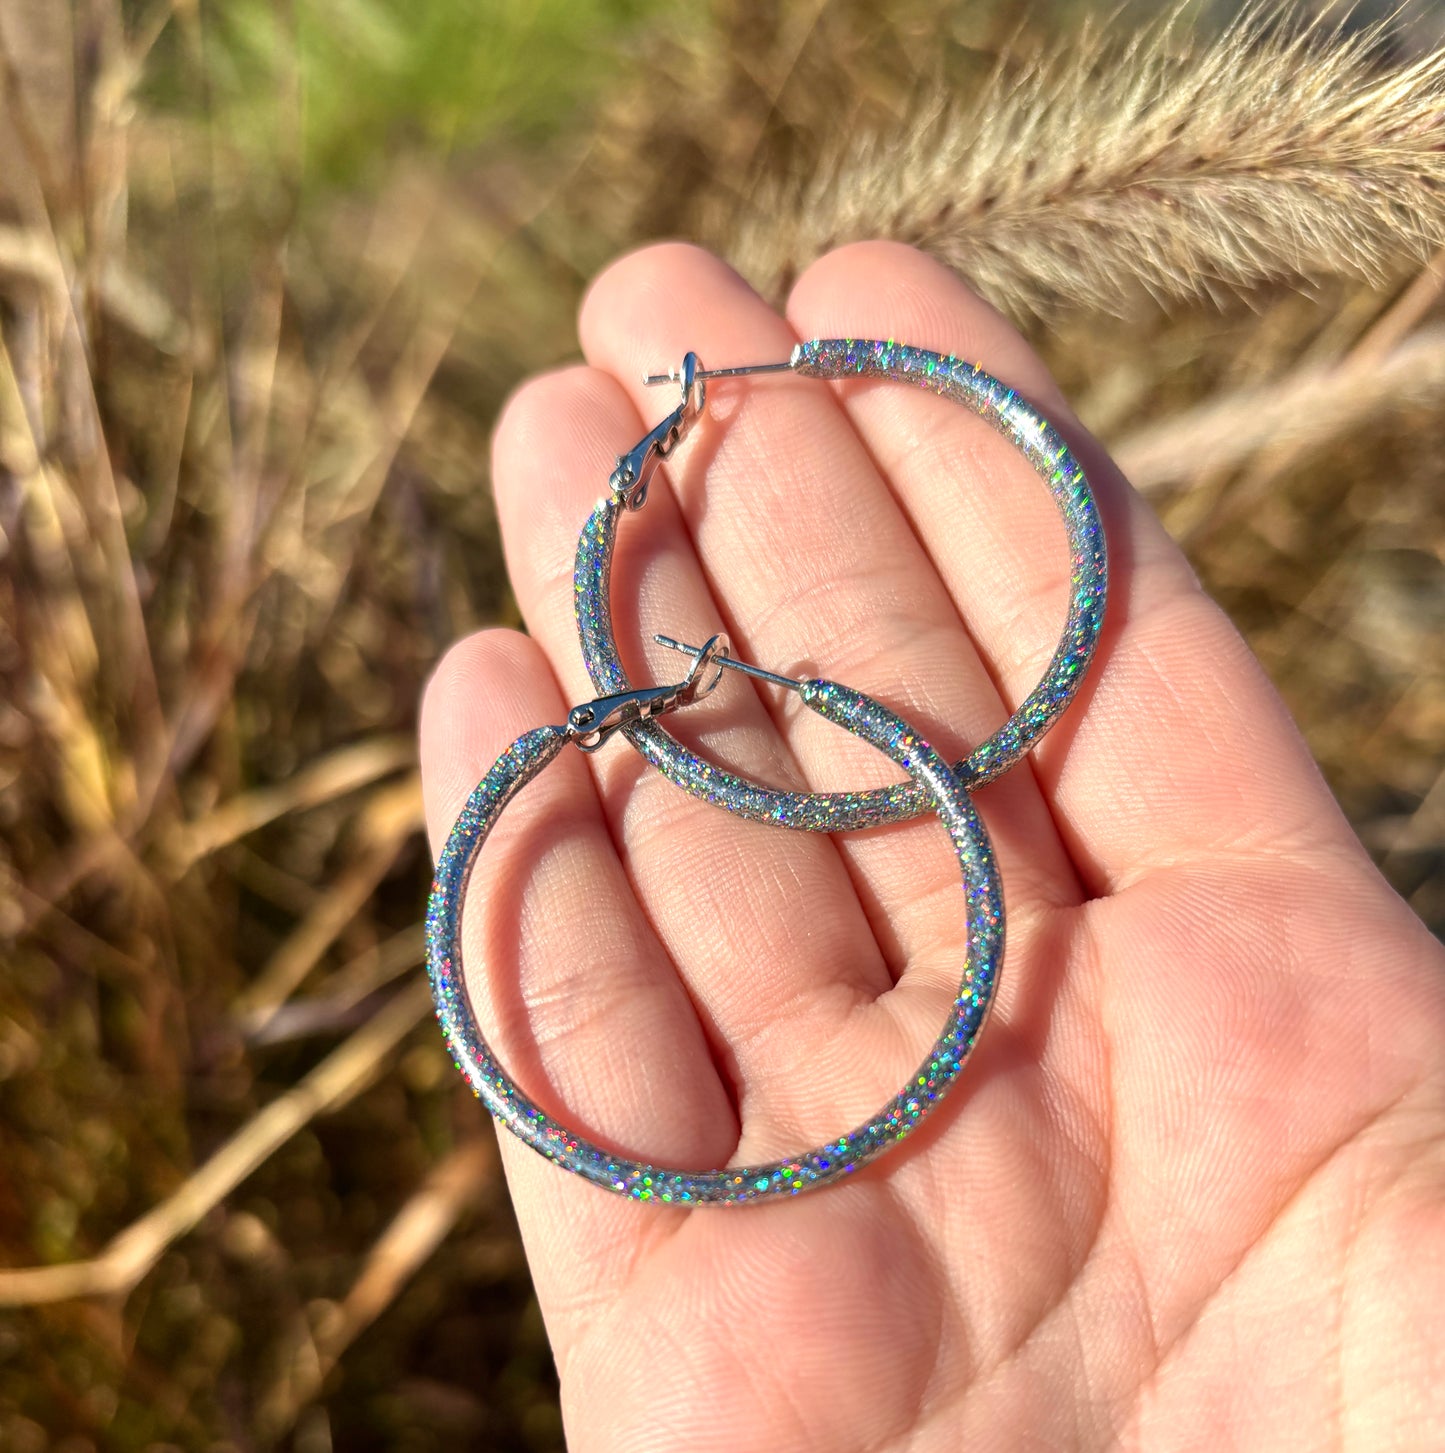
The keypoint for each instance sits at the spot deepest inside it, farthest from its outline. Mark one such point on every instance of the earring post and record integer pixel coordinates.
(653, 380)
(731, 663)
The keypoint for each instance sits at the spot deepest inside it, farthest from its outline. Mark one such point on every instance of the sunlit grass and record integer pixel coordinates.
(252, 353)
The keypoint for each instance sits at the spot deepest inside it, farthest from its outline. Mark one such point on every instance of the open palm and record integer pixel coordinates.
(1191, 1188)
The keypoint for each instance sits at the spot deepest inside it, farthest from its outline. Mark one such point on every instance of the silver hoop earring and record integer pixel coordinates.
(840, 358)
(589, 726)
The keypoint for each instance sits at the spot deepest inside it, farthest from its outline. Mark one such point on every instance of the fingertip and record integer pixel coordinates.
(553, 448)
(543, 416)
(891, 290)
(484, 693)
(680, 283)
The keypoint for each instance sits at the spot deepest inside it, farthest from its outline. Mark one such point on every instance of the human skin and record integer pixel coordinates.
(1190, 1190)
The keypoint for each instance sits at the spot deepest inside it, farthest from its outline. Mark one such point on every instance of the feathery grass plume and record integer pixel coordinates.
(1284, 150)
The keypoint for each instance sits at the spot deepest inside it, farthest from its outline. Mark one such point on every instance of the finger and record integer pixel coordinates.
(1178, 745)
(816, 566)
(569, 984)
(722, 895)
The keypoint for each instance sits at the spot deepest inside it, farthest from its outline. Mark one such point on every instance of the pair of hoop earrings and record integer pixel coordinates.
(932, 785)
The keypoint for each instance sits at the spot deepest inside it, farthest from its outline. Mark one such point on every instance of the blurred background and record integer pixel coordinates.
(267, 270)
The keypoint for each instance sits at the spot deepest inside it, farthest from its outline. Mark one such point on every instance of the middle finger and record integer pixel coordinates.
(817, 564)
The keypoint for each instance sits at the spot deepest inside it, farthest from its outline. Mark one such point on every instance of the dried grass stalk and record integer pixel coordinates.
(342, 1074)
(1306, 409)
(344, 994)
(1179, 167)
(389, 819)
(332, 776)
(1424, 829)
(418, 1229)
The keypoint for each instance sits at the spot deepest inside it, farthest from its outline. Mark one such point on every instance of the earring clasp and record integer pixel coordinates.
(595, 722)
(635, 469)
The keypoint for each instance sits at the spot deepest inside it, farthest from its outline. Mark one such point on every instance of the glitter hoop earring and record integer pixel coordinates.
(590, 726)
(840, 358)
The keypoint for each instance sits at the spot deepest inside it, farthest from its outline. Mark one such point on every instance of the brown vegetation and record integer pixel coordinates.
(248, 367)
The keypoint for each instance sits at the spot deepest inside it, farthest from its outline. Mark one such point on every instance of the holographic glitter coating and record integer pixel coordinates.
(736, 1185)
(1023, 426)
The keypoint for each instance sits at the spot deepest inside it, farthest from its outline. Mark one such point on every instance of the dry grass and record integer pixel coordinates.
(249, 356)
(1178, 166)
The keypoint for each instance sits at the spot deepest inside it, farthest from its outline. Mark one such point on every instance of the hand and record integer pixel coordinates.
(1191, 1188)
